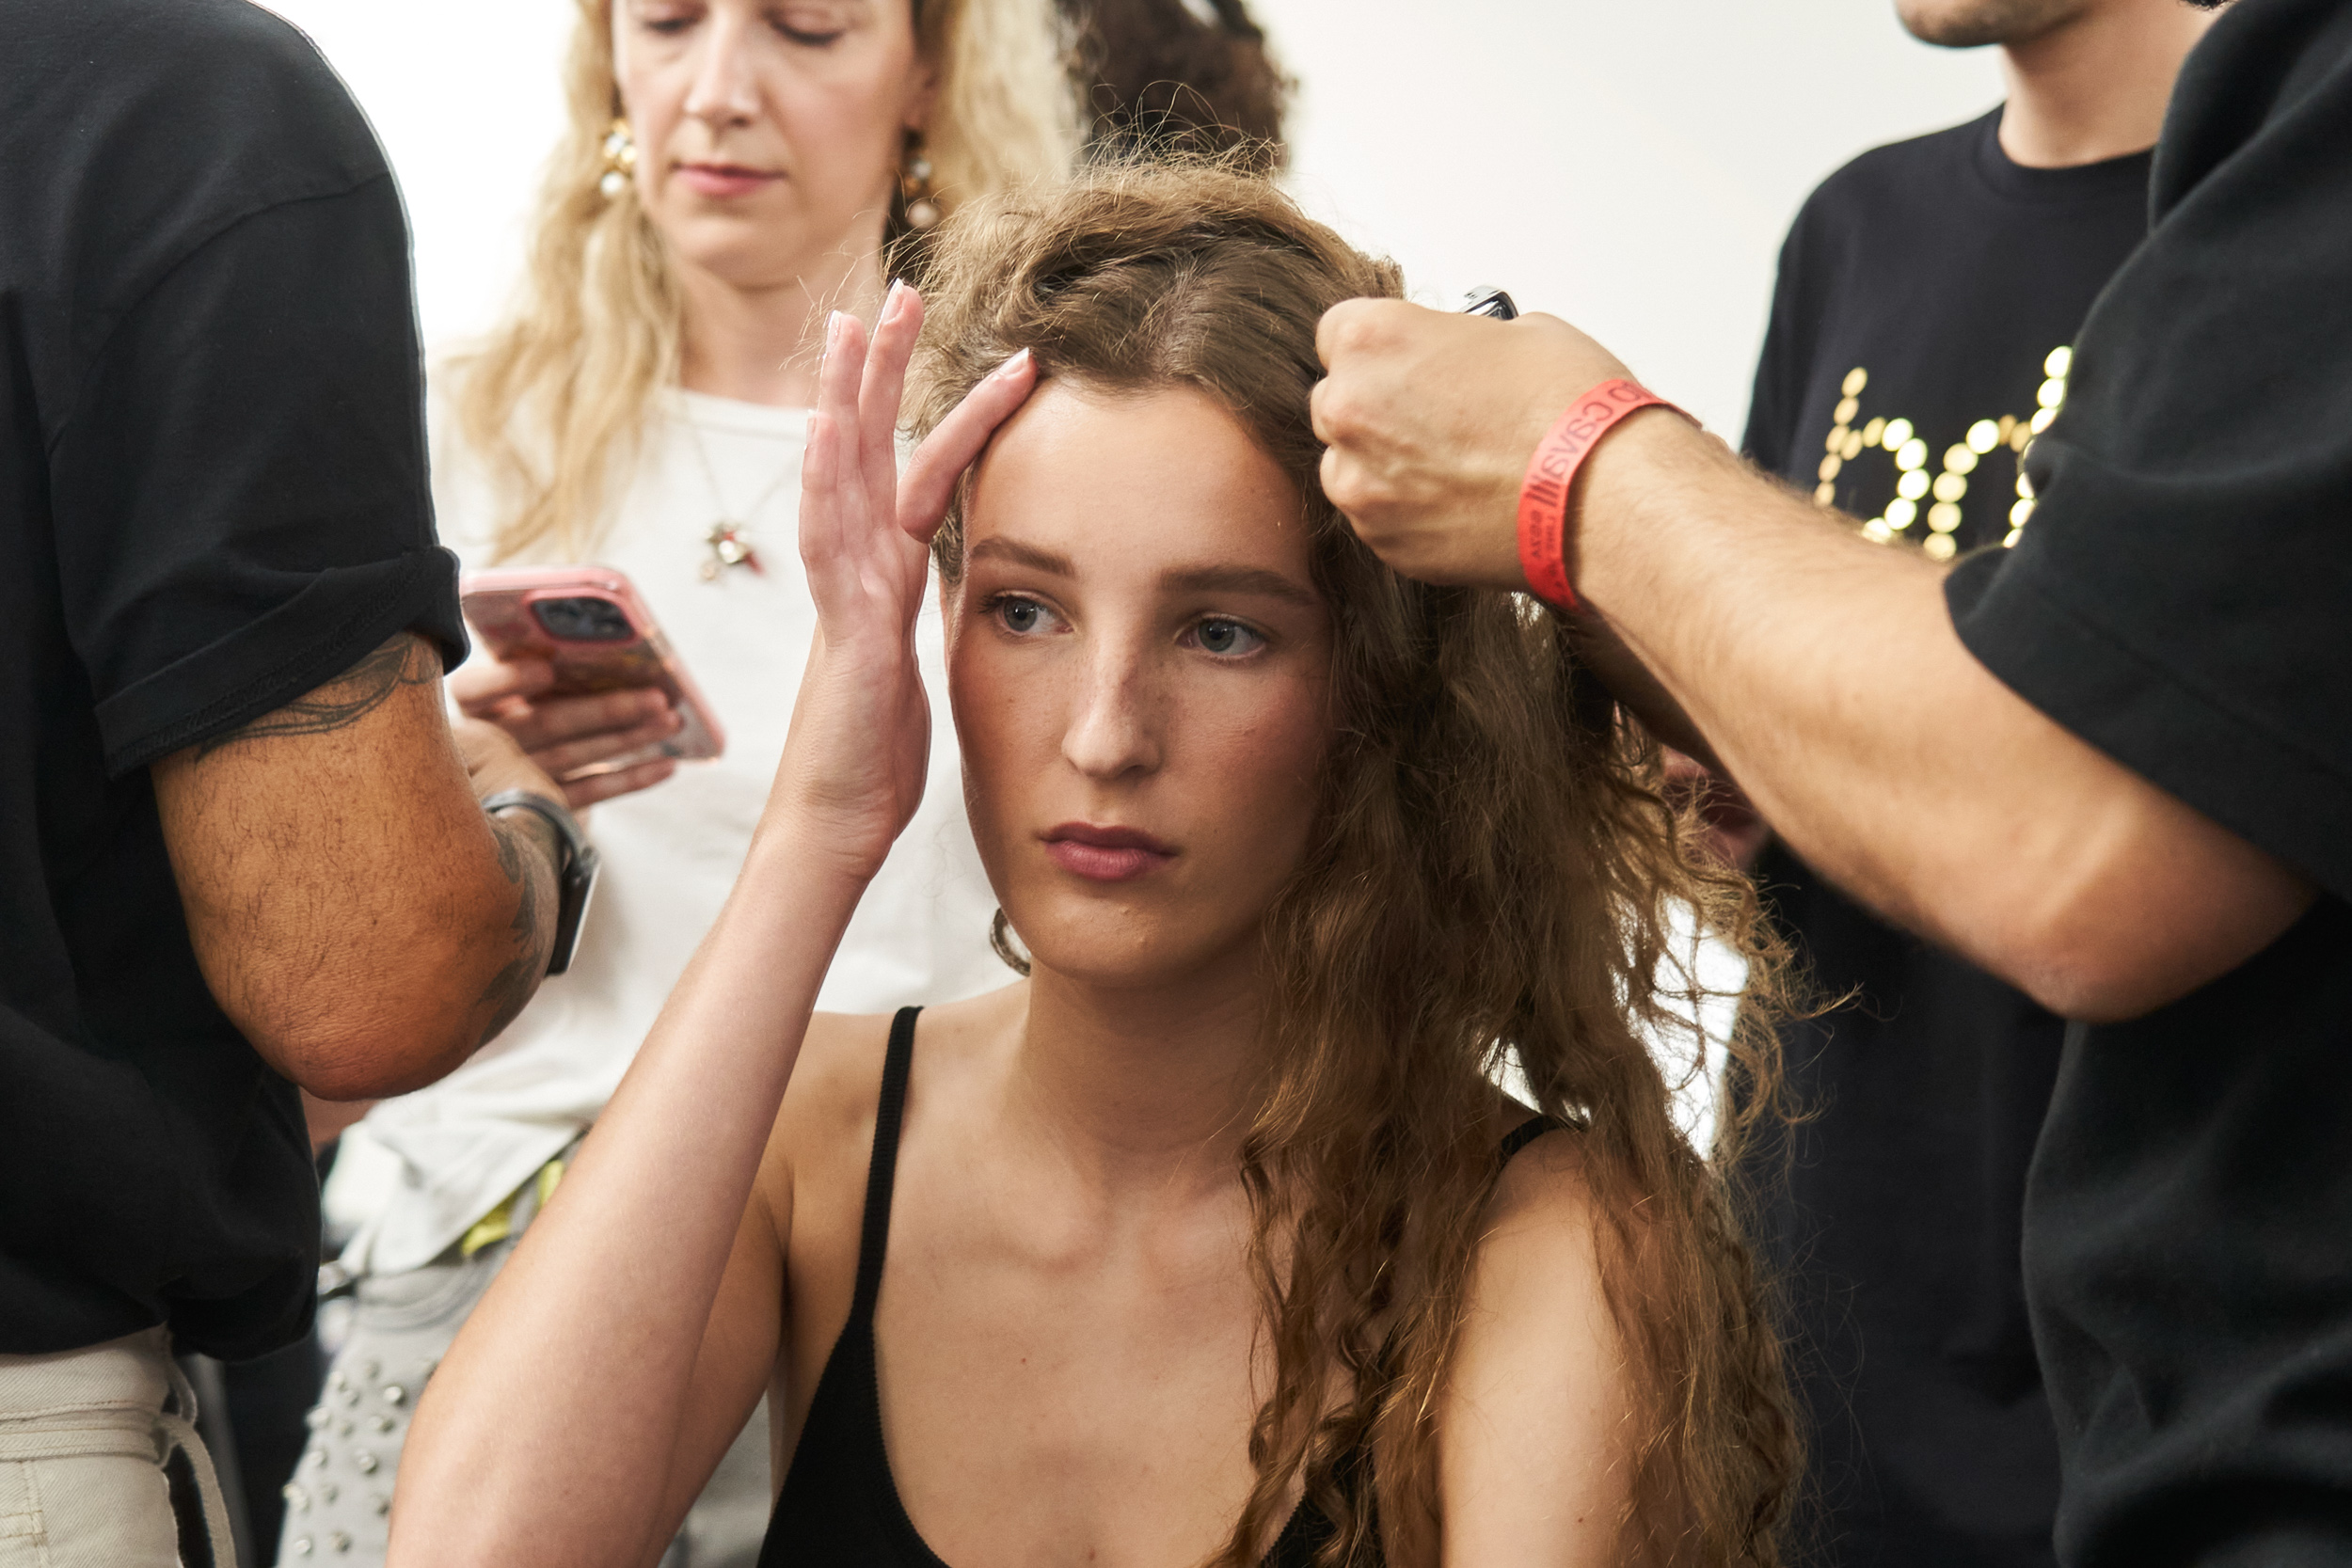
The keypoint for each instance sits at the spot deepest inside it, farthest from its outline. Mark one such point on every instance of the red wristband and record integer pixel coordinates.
(1544, 495)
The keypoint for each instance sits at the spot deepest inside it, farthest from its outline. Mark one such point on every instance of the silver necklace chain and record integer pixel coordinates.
(729, 539)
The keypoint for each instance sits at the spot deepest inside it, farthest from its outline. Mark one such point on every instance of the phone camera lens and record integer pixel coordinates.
(583, 620)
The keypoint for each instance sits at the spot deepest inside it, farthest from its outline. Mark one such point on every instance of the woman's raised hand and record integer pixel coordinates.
(855, 763)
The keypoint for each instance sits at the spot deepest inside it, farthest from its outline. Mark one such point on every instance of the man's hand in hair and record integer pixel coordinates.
(1430, 420)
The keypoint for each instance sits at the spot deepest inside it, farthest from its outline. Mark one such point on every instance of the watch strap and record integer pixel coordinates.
(575, 872)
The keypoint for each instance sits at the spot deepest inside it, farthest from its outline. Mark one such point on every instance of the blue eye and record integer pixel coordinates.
(1226, 638)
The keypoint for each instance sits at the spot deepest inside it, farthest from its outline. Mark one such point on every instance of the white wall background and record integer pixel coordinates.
(1629, 164)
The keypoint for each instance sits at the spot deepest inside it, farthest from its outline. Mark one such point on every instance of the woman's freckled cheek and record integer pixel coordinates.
(1269, 759)
(1011, 724)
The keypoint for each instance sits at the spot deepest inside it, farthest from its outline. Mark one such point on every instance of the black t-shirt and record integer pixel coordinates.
(2182, 600)
(212, 500)
(1924, 292)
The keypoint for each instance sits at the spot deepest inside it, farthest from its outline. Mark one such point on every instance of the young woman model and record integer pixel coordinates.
(1211, 1241)
(732, 171)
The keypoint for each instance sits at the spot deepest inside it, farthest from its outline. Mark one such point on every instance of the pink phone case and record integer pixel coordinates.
(504, 606)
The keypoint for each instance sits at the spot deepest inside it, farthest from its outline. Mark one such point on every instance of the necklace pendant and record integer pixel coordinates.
(730, 546)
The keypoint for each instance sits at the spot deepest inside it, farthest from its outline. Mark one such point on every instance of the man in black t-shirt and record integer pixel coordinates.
(2112, 764)
(237, 845)
(1928, 297)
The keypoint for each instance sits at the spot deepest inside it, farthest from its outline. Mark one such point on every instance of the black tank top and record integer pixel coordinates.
(840, 1505)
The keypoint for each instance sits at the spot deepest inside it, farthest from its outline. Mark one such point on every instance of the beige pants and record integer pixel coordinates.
(84, 1438)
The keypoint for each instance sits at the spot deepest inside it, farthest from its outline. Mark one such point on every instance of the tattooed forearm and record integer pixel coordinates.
(528, 853)
(405, 660)
(345, 906)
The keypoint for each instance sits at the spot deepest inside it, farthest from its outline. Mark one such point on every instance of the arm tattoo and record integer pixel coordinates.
(527, 851)
(407, 660)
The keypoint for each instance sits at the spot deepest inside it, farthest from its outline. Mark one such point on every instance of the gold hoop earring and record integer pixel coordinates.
(620, 159)
(914, 185)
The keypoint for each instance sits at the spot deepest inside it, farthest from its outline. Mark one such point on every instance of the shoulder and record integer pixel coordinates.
(1537, 1261)
(161, 124)
(1538, 1395)
(1914, 169)
(210, 89)
(836, 1083)
(1544, 1196)
(823, 1138)
(1537, 1294)
(830, 1103)
(1914, 157)
(2277, 70)
(824, 1129)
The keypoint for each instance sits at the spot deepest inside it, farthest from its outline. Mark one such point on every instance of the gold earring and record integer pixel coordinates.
(620, 158)
(914, 185)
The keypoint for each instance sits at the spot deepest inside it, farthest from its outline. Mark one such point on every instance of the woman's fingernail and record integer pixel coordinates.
(1013, 366)
(890, 299)
(833, 329)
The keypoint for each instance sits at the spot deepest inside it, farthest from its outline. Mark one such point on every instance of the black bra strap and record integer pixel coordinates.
(1524, 1134)
(889, 1114)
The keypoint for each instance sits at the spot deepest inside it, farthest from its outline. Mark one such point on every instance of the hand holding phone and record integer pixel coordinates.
(583, 679)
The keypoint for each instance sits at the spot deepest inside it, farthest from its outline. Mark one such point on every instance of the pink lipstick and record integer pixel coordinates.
(1105, 854)
(723, 181)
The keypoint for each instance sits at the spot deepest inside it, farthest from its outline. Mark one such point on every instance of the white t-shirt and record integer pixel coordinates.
(420, 1169)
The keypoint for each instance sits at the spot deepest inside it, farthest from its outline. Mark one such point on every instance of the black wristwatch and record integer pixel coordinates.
(575, 872)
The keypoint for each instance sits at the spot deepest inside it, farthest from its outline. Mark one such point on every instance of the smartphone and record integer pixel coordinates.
(589, 623)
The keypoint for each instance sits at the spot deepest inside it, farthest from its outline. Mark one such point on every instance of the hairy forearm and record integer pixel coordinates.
(386, 977)
(1805, 658)
(1826, 675)
(551, 1424)
(353, 911)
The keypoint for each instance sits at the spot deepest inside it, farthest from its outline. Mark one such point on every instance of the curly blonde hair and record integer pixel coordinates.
(1493, 878)
(555, 400)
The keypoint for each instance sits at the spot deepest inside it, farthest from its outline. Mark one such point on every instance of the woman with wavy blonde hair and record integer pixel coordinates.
(733, 171)
(652, 261)
(1211, 1241)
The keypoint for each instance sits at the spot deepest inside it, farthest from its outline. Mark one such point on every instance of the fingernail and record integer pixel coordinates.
(1013, 366)
(832, 328)
(890, 299)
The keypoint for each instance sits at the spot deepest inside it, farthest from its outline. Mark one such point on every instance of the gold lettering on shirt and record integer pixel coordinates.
(1935, 496)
